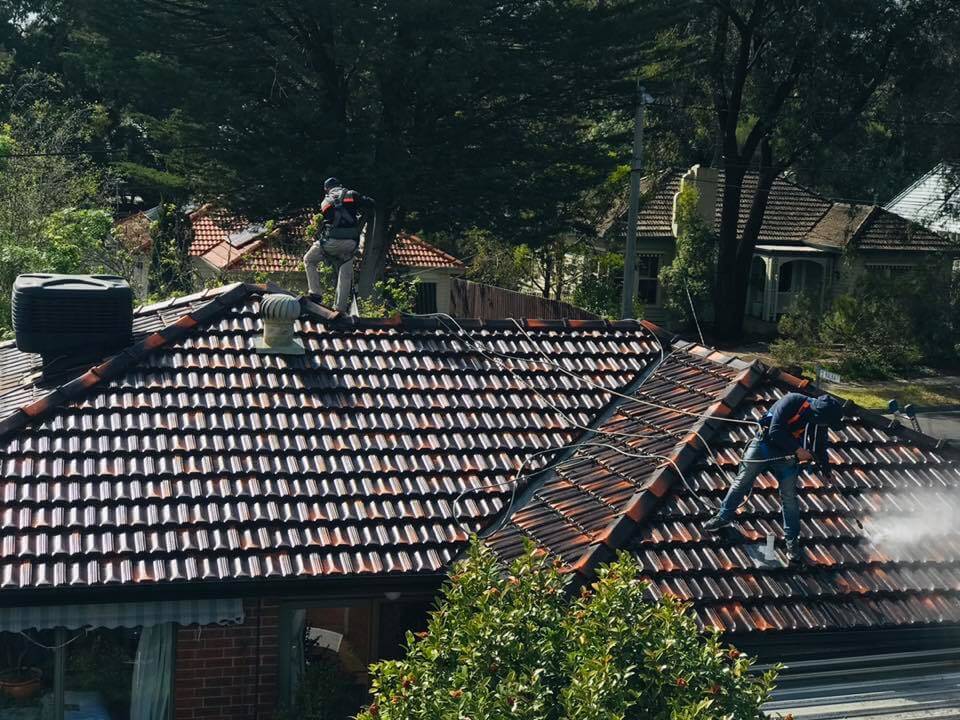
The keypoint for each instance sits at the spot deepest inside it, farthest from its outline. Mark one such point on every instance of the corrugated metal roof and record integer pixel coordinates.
(933, 200)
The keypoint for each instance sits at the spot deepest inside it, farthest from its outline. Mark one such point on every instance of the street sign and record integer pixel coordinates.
(825, 375)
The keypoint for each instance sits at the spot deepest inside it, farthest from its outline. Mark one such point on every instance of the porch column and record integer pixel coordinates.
(773, 285)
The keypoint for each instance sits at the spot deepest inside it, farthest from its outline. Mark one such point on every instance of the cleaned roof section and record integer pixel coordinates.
(189, 458)
(878, 550)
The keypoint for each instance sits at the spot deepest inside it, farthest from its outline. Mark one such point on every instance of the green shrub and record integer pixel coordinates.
(689, 278)
(514, 644)
(874, 335)
(799, 334)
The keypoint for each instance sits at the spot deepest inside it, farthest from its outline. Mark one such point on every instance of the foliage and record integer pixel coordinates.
(689, 278)
(70, 241)
(391, 295)
(799, 333)
(494, 261)
(600, 284)
(515, 645)
(874, 334)
(171, 273)
(323, 692)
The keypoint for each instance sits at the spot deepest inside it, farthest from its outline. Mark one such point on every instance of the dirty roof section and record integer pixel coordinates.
(791, 211)
(795, 215)
(216, 234)
(410, 251)
(192, 459)
(880, 550)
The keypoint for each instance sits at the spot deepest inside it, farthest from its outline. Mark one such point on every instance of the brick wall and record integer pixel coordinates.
(231, 671)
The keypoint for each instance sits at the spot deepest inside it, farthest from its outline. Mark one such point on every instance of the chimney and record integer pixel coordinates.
(71, 320)
(705, 181)
(278, 313)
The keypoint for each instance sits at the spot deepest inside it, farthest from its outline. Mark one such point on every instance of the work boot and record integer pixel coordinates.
(715, 524)
(794, 553)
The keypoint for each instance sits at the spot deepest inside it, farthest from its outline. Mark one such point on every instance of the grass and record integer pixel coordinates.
(875, 396)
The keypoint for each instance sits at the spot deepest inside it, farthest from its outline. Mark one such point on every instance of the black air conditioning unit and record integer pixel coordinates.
(69, 319)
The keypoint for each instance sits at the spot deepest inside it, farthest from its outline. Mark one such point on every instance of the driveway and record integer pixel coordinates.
(944, 425)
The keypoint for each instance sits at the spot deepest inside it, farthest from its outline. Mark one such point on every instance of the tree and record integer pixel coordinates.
(514, 644)
(452, 115)
(689, 278)
(786, 79)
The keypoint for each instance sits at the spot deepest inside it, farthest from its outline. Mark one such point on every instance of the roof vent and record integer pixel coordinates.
(278, 313)
(69, 319)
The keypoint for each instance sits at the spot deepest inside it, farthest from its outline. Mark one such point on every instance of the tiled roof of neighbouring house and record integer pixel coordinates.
(190, 458)
(884, 477)
(794, 216)
(215, 240)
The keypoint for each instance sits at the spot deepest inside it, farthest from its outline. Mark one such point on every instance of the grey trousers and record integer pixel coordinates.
(342, 251)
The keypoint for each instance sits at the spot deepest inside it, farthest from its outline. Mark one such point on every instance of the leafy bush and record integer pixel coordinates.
(600, 285)
(874, 334)
(516, 645)
(694, 266)
(799, 333)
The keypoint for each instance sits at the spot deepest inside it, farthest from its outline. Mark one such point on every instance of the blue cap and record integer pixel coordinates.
(330, 183)
(828, 411)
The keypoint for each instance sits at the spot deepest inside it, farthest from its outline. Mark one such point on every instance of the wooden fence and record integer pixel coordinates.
(488, 302)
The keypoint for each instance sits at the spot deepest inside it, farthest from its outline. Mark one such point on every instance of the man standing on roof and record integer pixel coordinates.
(337, 240)
(794, 430)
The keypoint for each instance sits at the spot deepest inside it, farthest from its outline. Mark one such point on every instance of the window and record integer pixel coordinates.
(889, 272)
(648, 283)
(426, 300)
(95, 674)
(329, 648)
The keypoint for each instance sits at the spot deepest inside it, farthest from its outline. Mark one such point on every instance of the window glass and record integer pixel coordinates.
(98, 673)
(648, 270)
(332, 647)
(27, 677)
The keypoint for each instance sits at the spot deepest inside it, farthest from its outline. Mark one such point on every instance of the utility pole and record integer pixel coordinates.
(636, 172)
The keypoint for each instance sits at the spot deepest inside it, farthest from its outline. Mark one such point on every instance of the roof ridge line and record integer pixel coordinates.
(621, 529)
(120, 362)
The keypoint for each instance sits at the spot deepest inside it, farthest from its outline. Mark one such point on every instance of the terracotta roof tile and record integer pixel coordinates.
(601, 500)
(192, 459)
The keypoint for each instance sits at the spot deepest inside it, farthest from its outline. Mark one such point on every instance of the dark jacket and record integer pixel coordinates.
(796, 421)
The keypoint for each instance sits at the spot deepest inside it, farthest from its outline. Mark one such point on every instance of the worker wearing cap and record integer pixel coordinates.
(338, 239)
(794, 430)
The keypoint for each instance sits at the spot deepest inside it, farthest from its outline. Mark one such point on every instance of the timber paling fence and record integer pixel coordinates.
(475, 300)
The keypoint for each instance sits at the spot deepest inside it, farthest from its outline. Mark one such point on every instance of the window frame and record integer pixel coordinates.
(658, 288)
(285, 636)
(62, 641)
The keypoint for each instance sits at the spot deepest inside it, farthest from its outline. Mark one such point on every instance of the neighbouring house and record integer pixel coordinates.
(933, 200)
(802, 243)
(197, 524)
(227, 247)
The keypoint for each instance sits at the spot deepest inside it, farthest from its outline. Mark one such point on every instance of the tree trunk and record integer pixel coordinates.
(734, 272)
(725, 291)
(377, 243)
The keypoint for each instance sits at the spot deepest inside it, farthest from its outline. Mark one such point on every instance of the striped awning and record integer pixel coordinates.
(112, 615)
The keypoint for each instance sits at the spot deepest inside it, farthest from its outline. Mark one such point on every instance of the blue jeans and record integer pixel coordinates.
(786, 472)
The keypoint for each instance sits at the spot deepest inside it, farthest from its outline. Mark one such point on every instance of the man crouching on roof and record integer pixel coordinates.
(794, 430)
